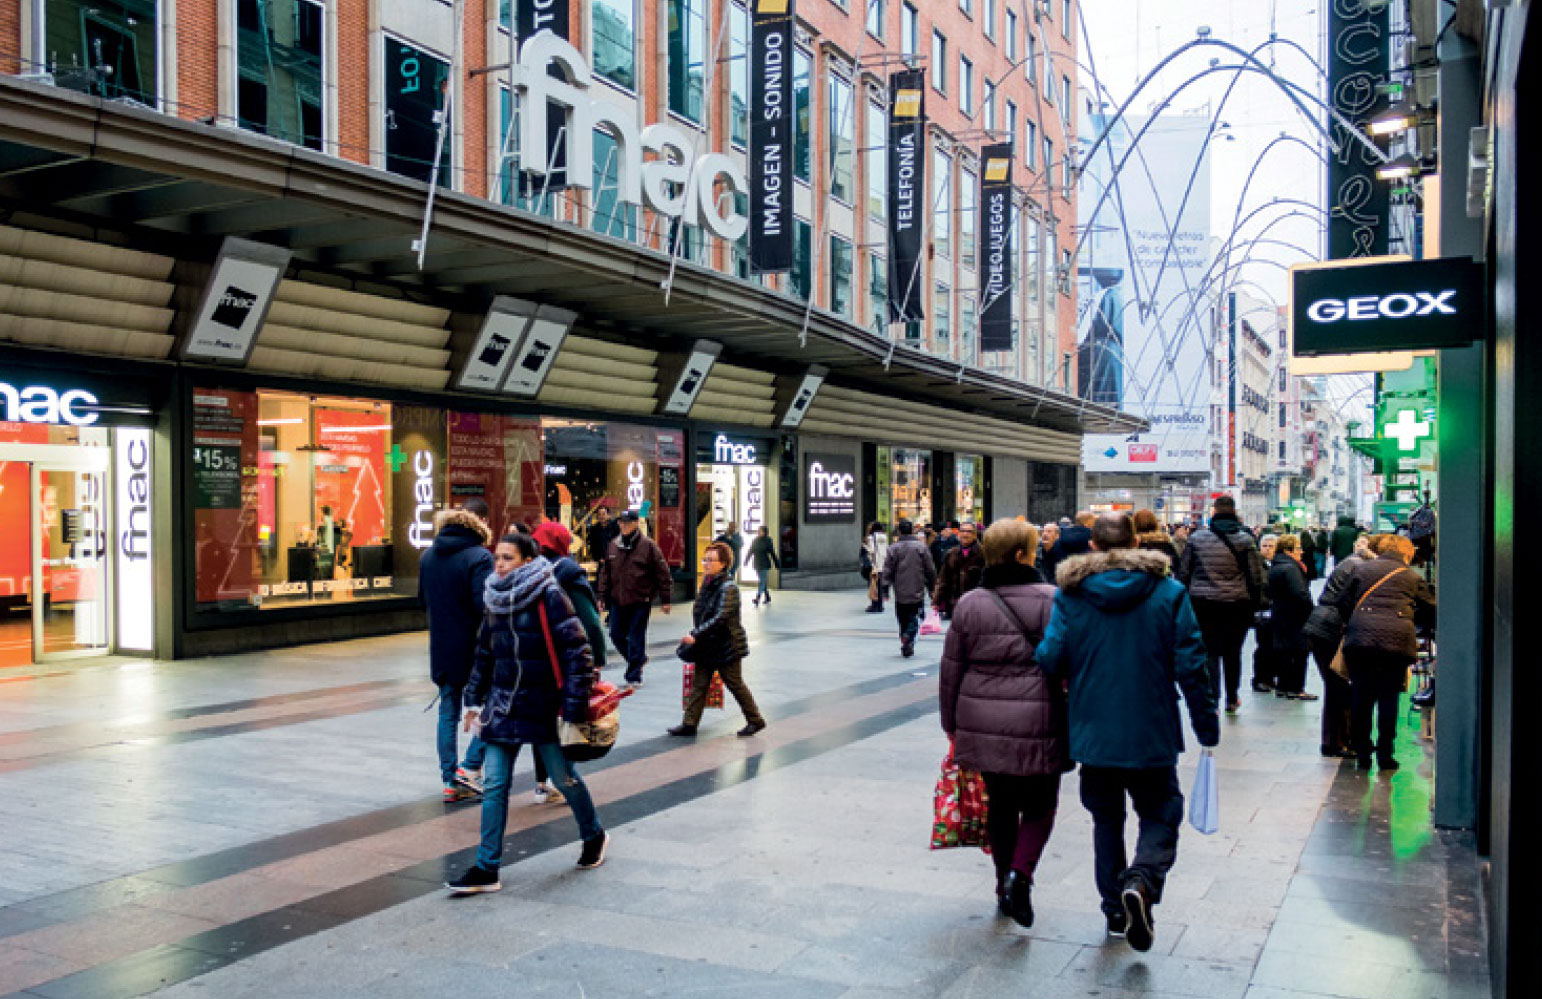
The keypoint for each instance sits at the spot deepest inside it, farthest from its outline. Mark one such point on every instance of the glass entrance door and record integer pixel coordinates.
(53, 559)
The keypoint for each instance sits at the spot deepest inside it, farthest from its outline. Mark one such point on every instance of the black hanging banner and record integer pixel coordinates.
(1358, 45)
(530, 18)
(771, 128)
(907, 181)
(996, 247)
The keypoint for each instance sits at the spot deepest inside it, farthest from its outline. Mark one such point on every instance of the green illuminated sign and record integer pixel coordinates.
(1408, 429)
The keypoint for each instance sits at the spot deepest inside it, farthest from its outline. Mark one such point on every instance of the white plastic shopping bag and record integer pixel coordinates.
(1204, 801)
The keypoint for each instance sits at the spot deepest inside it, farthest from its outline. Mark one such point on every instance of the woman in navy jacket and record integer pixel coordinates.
(516, 694)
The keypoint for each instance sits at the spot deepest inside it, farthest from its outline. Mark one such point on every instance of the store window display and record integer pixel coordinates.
(969, 487)
(910, 484)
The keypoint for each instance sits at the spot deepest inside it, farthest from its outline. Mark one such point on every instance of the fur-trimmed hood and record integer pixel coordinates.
(467, 521)
(1113, 580)
(1155, 537)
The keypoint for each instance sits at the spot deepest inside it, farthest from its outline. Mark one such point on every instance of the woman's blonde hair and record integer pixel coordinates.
(1287, 543)
(1006, 537)
(1394, 543)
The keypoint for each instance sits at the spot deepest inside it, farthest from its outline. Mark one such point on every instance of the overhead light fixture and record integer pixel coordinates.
(1401, 168)
(281, 423)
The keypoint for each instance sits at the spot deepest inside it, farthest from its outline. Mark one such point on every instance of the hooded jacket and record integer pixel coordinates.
(452, 575)
(1004, 714)
(1122, 635)
(513, 681)
(1211, 565)
(908, 569)
(1074, 540)
(575, 583)
(1159, 541)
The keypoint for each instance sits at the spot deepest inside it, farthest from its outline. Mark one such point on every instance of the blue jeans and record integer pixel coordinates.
(762, 584)
(495, 797)
(449, 722)
(629, 634)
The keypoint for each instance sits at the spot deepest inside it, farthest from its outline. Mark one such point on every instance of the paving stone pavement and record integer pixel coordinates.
(268, 825)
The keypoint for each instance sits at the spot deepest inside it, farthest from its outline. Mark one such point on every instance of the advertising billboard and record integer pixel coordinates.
(1142, 325)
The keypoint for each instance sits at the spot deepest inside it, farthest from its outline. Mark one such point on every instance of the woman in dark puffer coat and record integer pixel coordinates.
(1007, 718)
(516, 694)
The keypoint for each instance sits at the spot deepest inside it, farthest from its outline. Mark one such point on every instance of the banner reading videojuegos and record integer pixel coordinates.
(996, 247)
(771, 127)
(907, 181)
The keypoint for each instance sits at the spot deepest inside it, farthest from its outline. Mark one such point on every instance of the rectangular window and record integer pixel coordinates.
(942, 203)
(877, 293)
(802, 105)
(1031, 251)
(612, 216)
(990, 19)
(841, 261)
(1031, 64)
(1065, 18)
(1282, 379)
(1065, 272)
(1011, 118)
(279, 54)
(941, 316)
(739, 74)
(687, 57)
(1049, 164)
(106, 48)
(802, 259)
(742, 245)
(939, 61)
(988, 106)
(1282, 422)
(1066, 106)
(966, 84)
(967, 190)
(967, 6)
(414, 95)
(910, 31)
(1065, 173)
(613, 24)
(1031, 142)
(966, 324)
(842, 131)
(876, 157)
(1011, 34)
(876, 9)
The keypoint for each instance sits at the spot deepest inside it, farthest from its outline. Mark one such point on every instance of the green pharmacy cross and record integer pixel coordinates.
(1407, 430)
(397, 458)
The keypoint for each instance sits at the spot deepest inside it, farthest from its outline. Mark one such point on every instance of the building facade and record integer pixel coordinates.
(276, 286)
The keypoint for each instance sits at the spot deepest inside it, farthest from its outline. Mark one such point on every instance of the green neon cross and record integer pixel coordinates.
(1407, 430)
(396, 458)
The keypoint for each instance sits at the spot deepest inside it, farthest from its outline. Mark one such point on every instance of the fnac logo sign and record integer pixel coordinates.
(41, 404)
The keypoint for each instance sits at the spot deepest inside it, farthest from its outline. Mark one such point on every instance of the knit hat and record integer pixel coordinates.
(553, 536)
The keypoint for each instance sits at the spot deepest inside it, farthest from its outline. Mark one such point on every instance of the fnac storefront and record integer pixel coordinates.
(77, 538)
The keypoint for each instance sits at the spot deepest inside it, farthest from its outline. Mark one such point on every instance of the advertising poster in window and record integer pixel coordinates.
(224, 486)
(1140, 340)
(351, 475)
(671, 501)
(502, 460)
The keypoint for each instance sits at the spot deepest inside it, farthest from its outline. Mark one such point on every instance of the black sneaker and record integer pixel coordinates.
(1019, 902)
(474, 882)
(681, 730)
(1387, 765)
(751, 729)
(1137, 914)
(1362, 762)
(593, 854)
(907, 649)
(1117, 924)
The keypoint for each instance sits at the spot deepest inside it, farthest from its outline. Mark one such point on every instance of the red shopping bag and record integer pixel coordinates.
(959, 807)
(714, 689)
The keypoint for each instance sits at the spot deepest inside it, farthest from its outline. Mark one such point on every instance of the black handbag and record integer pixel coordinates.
(686, 653)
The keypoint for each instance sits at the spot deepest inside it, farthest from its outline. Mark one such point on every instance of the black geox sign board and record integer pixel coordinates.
(1358, 44)
(1404, 305)
(530, 18)
(771, 126)
(907, 184)
(996, 247)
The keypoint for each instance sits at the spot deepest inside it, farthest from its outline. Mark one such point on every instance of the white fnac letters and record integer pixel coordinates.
(41, 404)
(829, 485)
(421, 533)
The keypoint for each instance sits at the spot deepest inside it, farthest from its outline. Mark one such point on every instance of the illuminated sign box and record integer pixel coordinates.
(1350, 307)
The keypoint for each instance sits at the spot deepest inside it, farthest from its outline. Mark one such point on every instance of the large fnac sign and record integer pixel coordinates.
(670, 185)
(41, 404)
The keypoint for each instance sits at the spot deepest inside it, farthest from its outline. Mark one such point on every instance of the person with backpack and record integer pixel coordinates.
(556, 542)
(1122, 635)
(717, 644)
(1005, 716)
(452, 577)
(533, 666)
(1224, 575)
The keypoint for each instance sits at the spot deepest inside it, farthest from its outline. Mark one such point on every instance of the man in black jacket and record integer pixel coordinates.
(1073, 540)
(1224, 573)
(633, 573)
(452, 575)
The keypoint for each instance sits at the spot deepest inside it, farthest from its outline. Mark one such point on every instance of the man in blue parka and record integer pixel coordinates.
(1124, 638)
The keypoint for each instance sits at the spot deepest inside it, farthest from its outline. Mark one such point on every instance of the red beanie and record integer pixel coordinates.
(554, 536)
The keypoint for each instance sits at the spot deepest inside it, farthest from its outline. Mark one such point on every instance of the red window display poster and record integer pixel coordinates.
(500, 459)
(351, 475)
(671, 499)
(224, 463)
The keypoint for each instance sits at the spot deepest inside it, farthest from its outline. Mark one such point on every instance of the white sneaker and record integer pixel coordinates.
(543, 793)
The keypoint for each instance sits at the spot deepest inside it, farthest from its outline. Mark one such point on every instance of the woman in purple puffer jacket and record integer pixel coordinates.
(1007, 718)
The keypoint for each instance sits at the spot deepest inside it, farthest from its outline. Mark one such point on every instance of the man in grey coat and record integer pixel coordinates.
(909, 572)
(1224, 573)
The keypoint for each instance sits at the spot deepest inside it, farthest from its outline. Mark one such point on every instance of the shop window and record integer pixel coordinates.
(840, 276)
(106, 48)
(787, 506)
(969, 487)
(615, 41)
(802, 105)
(279, 69)
(841, 136)
(687, 55)
(910, 485)
(875, 155)
(414, 96)
(590, 466)
(739, 73)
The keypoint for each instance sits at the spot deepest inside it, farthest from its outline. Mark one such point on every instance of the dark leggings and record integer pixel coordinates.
(1019, 820)
(540, 770)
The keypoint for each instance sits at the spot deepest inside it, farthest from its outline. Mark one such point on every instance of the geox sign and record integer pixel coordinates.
(1342, 308)
(701, 193)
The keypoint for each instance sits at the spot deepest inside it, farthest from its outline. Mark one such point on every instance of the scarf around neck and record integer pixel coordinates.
(520, 588)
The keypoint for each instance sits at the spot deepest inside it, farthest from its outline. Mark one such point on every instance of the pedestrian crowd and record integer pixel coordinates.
(1068, 647)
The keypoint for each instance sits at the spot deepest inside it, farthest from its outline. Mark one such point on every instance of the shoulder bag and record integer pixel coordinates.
(1339, 665)
(1248, 579)
(592, 738)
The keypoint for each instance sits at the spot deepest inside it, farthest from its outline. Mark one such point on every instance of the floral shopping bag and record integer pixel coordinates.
(959, 807)
(714, 690)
